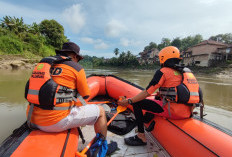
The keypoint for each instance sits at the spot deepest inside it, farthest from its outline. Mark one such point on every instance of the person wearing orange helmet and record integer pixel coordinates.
(166, 77)
(170, 56)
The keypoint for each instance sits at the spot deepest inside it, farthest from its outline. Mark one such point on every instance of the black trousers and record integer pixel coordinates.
(147, 105)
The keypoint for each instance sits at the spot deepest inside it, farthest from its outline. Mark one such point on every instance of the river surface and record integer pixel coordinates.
(217, 96)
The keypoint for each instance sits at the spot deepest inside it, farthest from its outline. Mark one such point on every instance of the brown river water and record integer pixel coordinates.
(217, 96)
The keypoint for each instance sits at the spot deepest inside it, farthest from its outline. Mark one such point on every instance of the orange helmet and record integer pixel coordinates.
(167, 53)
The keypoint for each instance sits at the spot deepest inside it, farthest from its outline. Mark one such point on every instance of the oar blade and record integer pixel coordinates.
(121, 108)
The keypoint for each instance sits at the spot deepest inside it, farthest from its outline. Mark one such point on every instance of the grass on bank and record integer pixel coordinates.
(28, 46)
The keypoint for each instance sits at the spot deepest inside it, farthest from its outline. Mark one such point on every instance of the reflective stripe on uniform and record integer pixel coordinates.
(64, 95)
(194, 93)
(168, 93)
(33, 92)
(62, 108)
(54, 58)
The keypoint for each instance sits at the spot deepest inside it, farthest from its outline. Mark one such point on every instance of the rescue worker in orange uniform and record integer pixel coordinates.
(167, 77)
(72, 76)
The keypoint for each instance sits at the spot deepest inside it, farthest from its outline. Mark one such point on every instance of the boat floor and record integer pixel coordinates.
(152, 149)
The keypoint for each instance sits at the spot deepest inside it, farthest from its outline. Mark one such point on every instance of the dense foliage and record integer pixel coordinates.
(225, 38)
(182, 44)
(42, 39)
(122, 60)
(53, 32)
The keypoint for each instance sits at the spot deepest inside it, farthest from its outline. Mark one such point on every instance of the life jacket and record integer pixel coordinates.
(42, 91)
(188, 92)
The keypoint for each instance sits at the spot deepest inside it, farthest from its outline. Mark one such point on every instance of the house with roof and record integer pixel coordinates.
(206, 53)
(149, 56)
(226, 52)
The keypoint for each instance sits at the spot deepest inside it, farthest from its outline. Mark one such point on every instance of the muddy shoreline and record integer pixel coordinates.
(16, 62)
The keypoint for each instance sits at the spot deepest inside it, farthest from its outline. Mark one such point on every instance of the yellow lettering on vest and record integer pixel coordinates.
(190, 75)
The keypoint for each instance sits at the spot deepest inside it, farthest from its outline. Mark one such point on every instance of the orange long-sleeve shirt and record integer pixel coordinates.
(71, 75)
(168, 77)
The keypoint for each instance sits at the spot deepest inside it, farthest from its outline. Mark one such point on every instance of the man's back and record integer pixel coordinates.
(68, 74)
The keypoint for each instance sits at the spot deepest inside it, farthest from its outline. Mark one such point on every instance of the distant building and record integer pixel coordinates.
(226, 52)
(149, 57)
(206, 53)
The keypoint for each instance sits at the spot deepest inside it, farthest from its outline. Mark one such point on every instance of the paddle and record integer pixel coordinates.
(119, 109)
(99, 102)
(82, 154)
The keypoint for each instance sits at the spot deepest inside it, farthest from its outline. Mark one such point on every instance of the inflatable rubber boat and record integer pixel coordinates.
(193, 137)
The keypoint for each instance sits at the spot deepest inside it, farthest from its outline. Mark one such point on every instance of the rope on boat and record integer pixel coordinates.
(65, 143)
(193, 138)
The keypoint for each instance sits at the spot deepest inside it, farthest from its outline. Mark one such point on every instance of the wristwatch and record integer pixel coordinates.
(129, 101)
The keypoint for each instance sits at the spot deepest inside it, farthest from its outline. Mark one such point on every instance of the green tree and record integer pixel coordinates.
(54, 32)
(14, 24)
(190, 41)
(7, 22)
(131, 59)
(116, 51)
(122, 58)
(176, 42)
(34, 28)
(150, 46)
(225, 38)
(164, 43)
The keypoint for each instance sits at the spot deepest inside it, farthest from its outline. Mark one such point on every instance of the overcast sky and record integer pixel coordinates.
(100, 26)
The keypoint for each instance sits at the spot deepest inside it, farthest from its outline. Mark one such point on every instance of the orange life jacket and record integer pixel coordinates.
(42, 91)
(188, 92)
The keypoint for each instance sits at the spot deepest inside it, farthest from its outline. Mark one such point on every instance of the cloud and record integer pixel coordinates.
(106, 54)
(209, 2)
(101, 45)
(29, 14)
(148, 21)
(74, 17)
(97, 43)
(87, 40)
(114, 28)
(124, 42)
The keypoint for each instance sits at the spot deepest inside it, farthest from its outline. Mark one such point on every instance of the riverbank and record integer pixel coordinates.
(225, 73)
(221, 71)
(19, 62)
